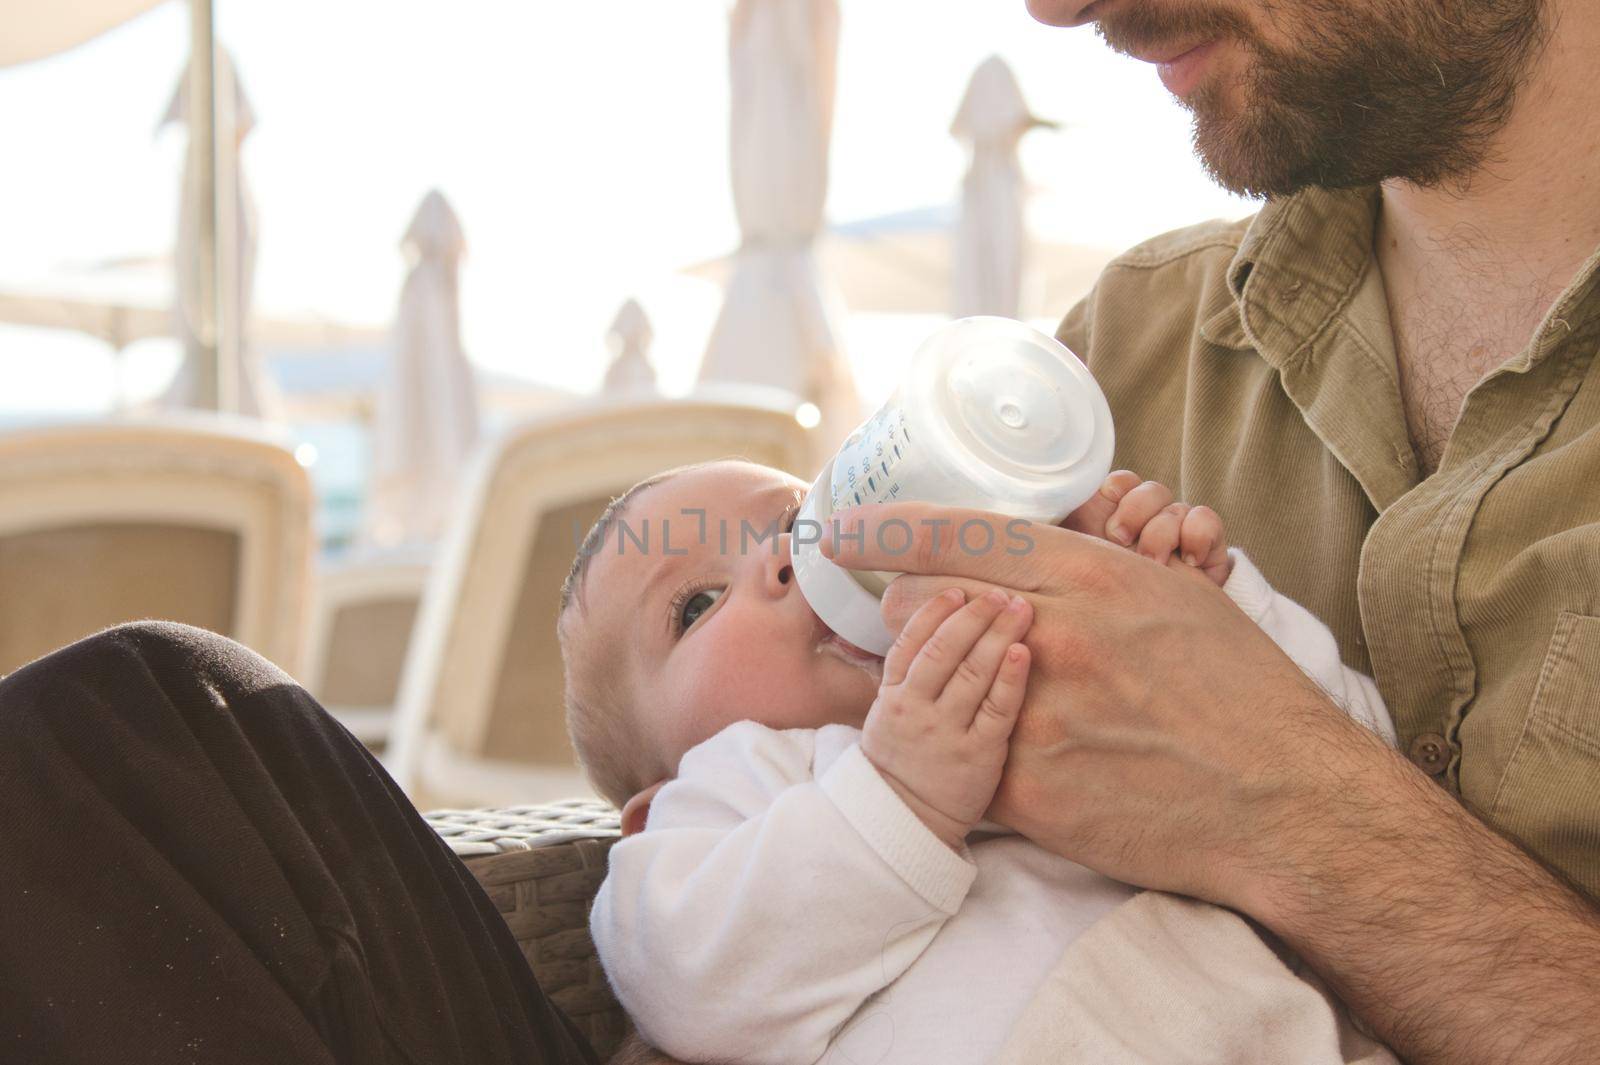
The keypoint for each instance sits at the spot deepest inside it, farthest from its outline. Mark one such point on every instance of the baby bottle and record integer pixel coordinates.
(991, 415)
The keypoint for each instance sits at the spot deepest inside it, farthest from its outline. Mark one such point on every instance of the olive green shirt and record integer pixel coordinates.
(1250, 366)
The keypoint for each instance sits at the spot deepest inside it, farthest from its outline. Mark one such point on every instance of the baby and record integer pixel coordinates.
(806, 873)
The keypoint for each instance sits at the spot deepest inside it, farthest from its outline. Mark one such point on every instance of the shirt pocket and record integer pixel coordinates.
(1549, 794)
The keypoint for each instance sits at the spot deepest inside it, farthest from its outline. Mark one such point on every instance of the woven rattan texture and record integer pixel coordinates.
(542, 866)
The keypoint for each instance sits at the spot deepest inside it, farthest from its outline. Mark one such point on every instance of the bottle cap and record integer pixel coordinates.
(1014, 421)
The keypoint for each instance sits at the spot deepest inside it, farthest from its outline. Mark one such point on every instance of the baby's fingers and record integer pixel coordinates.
(972, 678)
(1203, 544)
(997, 714)
(944, 654)
(1135, 510)
(1091, 517)
(1159, 541)
(921, 625)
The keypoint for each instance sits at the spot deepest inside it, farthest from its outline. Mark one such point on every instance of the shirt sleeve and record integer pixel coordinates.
(1310, 643)
(762, 905)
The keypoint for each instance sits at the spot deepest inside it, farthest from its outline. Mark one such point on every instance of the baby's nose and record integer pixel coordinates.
(778, 569)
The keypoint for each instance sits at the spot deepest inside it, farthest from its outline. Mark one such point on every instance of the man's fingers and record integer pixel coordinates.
(1135, 511)
(915, 633)
(949, 541)
(909, 591)
(947, 650)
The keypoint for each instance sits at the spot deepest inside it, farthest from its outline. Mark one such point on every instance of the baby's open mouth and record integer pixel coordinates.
(830, 642)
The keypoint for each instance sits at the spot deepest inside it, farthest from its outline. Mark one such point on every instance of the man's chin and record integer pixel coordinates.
(1245, 149)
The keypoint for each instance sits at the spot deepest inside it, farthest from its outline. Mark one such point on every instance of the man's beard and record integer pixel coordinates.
(1372, 89)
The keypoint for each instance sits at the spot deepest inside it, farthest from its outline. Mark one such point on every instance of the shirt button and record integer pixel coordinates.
(1430, 752)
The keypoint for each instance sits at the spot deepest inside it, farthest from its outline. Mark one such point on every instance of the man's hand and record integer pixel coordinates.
(1166, 740)
(952, 685)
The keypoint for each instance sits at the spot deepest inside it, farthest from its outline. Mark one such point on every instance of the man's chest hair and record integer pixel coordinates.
(1444, 345)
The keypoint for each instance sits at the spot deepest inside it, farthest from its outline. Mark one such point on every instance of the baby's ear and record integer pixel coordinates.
(637, 809)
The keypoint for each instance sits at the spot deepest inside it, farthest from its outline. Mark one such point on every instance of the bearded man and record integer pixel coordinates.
(1386, 383)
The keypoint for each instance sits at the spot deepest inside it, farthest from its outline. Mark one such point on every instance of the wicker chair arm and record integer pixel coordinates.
(541, 865)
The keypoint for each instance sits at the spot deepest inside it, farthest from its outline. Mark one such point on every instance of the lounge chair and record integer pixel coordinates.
(364, 607)
(199, 519)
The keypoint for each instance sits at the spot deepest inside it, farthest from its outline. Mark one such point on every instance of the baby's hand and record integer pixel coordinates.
(941, 726)
(1143, 516)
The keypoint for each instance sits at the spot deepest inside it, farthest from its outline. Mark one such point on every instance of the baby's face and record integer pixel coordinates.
(714, 632)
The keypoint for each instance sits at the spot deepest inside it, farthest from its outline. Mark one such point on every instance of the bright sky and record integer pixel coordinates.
(583, 144)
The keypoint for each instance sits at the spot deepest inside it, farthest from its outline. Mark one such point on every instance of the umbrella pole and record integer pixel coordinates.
(215, 387)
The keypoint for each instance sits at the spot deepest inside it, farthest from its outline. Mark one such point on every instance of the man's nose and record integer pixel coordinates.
(1061, 12)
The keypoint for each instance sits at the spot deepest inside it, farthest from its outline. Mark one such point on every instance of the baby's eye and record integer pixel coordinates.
(697, 604)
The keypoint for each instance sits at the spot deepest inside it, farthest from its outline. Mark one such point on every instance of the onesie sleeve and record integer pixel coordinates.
(763, 904)
(1310, 643)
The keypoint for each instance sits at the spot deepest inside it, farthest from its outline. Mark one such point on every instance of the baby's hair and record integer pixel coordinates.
(598, 716)
(595, 538)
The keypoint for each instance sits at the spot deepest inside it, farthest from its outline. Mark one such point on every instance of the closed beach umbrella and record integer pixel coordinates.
(426, 418)
(991, 236)
(256, 395)
(629, 338)
(775, 327)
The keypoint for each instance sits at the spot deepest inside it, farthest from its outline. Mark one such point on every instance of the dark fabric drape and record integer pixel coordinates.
(198, 864)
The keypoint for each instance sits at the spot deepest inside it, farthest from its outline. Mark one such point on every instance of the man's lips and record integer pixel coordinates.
(1182, 73)
(1167, 54)
(1179, 66)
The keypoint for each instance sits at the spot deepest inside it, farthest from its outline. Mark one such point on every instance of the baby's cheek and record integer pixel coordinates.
(712, 700)
(753, 669)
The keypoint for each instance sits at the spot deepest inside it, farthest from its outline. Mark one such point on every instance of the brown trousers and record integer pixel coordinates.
(198, 864)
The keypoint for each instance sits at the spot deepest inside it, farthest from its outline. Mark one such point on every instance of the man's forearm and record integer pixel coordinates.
(1451, 942)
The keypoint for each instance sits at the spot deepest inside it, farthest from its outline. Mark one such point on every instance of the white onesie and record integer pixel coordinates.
(783, 905)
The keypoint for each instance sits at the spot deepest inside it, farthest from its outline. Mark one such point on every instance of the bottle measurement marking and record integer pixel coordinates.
(866, 468)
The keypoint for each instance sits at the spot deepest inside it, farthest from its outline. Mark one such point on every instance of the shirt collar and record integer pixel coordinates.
(1303, 260)
(1299, 264)
(1576, 306)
